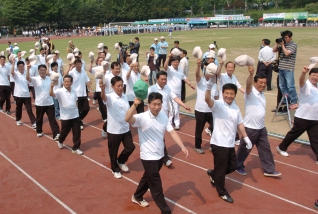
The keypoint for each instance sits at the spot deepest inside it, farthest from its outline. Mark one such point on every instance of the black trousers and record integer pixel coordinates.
(183, 91)
(258, 138)
(83, 107)
(224, 163)
(279, 92)
(75, 125)
(114, 141)
(27, 103)
(12, 84)
(101, 105)
(200, 119)
(151, 180)
(300, 126)
(268, 71)
(5, 93)
(31, 89)
(162, 57)
(50, 112)
(140, 108)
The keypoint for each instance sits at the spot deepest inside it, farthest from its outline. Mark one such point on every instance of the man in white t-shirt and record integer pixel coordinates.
(54, 68)
(43, 102)
(174, 81)
(227, 120)
(125, 66)
(184, 67)
(306, 116)
(152, 126)
(255, 110)
(131, 77)
(69, 113)
(42, 57)
(5, 90)
(118, 130)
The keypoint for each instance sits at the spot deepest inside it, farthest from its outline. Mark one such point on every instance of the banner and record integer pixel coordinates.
(177, 20)
(158, 20)
(296, 16)
(221, 15)
(273, 16)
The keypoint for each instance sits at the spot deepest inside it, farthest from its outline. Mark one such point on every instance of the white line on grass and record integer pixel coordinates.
(38, 184)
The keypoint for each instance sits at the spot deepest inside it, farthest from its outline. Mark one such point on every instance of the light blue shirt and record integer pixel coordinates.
(163, 50)
(156, 47)
(215, 60)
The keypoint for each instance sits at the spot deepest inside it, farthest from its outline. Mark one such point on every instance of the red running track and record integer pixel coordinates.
(50, 180)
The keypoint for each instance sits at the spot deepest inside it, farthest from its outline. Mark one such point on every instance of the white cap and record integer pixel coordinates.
(313, 62)
(244, 60)
(31, 51)
(70, 57)
(23, 53)
(37, 45)
(100, 47)
(15, 44)
(2, 53)
(222, 54)
(211, 46)
(32, 59)
(75, 52)
(45, 46)
(91, 55)
(162, 37)
(133, 57)
(57, 52)
(55, 78)
(211, 54)
(99, 72)
(156, 39)
(116, 46)
(12, 56)
(8, 50)
(176, 52)
(211, 69)
(197, 52)
(145, 71)
(50, 58)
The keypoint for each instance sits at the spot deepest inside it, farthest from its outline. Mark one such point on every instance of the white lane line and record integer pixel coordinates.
(38, 184)
(287, 164)
(128, 179)
(236, 181)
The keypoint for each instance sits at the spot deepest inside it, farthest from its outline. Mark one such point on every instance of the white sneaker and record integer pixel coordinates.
(57, 137)
(88, 99)
(1, 110)
(39, 134)
(123, 167)
(60, 145)
(104, 134)
(142, 203)
(82, 127)
(177, 127)
(283, 153)
(34, 126)
(19, 123)
(168, 163)
(94, 102)
(116, 174)
(77, 151)
(207, 130)
(237, 142)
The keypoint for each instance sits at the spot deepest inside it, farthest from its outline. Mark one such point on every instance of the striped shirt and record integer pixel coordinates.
(288, 62)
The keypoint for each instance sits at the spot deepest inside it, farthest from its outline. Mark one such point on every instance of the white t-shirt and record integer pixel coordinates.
(166, 93)
(174, 79)
(151, 131)
(60, 82)
(79, 82)
(60, 64)
(9, 65)
(124, 69)
(41, 59)
(255, 109)
(200, 104)
(33, 72)
(21, 88)
(42, 91)
(226, 118)
(130, 85)
(224, 79)
(67, 101)
(308, 102)
(4, 74)
(184, 66)
(117, 108)
(108, 77)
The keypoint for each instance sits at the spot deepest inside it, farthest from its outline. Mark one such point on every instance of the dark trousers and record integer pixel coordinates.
(83, 107)
(5, 93)
(183, 91)
(75, 125)
(140, 108)
(113, 146)
(50, 112)
(27, 103)
(200, 119)
(31, 89)
(300, 126)
(258, 138)
(12, 84)
(151, 180)
(268, 71)
(224, 163)
(279, 92)
(166, 157)
(162, 57)
(102, 107)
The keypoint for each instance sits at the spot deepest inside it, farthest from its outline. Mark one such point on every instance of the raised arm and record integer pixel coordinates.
(218, 71)
(52, 94)
(129, 72)
(91, 65)
(70, 67)
(27, 76)
(167, 62)
(302, 78)
(130, 113)
(197, 72)
(102, 87)
(249, 81)
(178, 141)
(208, 98)
(12, 67)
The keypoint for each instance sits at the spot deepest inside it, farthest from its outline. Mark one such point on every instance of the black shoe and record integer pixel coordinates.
(269, 89)
(227, 198)
(210, 174)
(274, 110)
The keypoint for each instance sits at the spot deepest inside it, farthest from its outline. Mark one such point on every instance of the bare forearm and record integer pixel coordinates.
(177, 139)
(130, 114)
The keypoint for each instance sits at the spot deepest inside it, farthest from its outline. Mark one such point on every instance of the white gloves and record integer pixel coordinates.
(248, 143)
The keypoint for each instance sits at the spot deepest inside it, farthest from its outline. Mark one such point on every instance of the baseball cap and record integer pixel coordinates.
(141, 89)
(211, 46)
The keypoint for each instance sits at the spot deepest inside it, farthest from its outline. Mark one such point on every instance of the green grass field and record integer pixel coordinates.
(237, 41)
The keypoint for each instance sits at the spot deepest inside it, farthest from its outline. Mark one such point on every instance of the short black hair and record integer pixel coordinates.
(267, 41)
(3, 57)
(152, 48)
(229, 63)
(20, 63)
(137, 38)
(313, 70)
(184, 52)
(79, 53)
(54, 64)
(105, 47)
(161, 73)
(154, 96)
(259, 76)
(288, 33)
(120, 44)
(41, 49)
(176, 42)
(77, 60)
(112, 66)
(41, 66)
(229, 86)
(116, 79)
(175, 58)
(68, 76)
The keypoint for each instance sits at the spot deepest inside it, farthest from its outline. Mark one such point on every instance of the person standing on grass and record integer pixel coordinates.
(163, 45)
(152, 126)
(227, 120)
(5, 90)
(255, 110)
(306, 116)
(118, 130)
(43, 101)
(184, 67)
(151, 59)
(80, 80)
(69, 113)
(21, 93)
